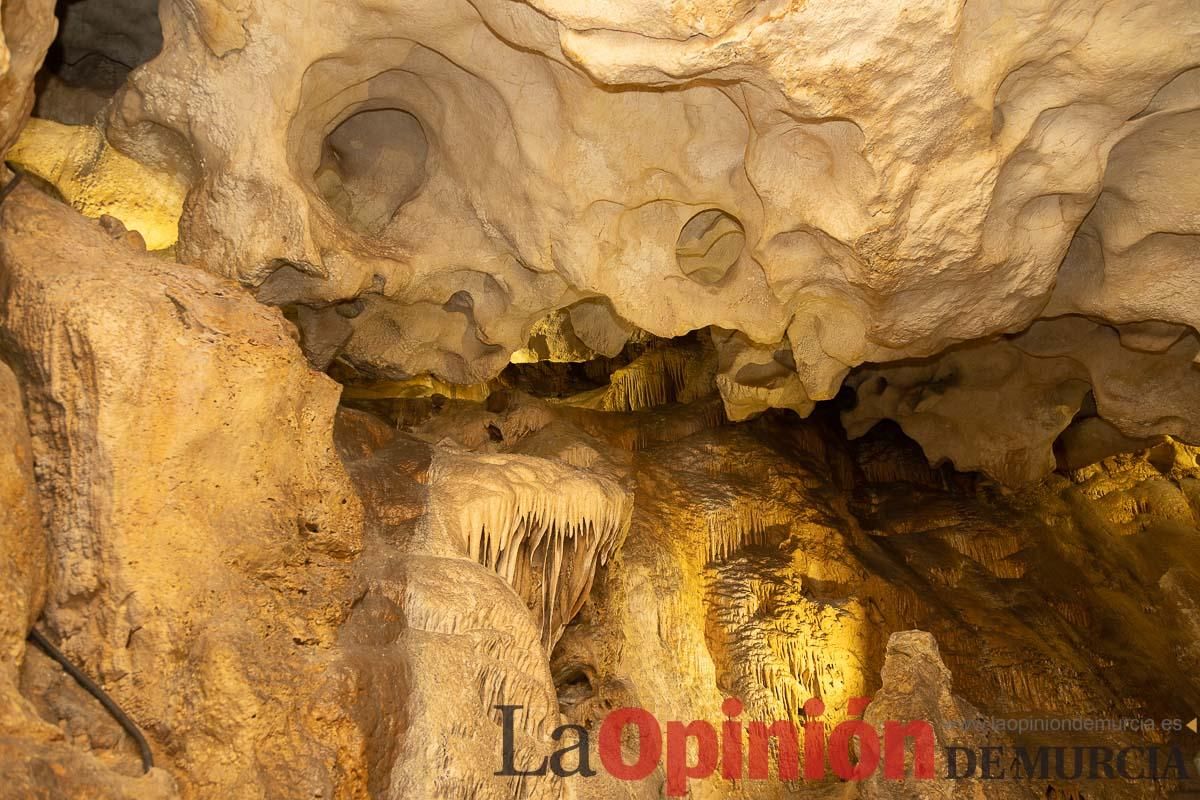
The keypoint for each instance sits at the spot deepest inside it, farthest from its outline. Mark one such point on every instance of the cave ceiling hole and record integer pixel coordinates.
(709, 245)
(371, 164)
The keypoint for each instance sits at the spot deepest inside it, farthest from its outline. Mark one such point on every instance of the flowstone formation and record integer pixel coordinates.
(391, 392)
(776, 561)
(430, 181)
(152, 407)
(287, 620)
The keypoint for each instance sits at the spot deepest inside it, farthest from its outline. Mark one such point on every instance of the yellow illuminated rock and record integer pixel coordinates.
(97, 179)
(505, 363)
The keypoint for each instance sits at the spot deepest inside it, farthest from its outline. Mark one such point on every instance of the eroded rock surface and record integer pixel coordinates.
(26, 30)
(22, 542)
(570, 258)
(488, 522)
(436, 181)
(917, 686)
(199, 521)
(775, 562)
(620, 544)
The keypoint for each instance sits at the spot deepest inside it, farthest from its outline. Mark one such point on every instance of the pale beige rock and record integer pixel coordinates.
(26, 30)
(999, 406)
(199, 521)
(793, 173)
(989, 236)
(479, 551)
(752, 378)
(23, 553)
(1133, 257)
(763, 560)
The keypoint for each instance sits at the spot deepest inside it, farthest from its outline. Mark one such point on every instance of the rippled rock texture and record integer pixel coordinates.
(826, 186)
(285, 618)
(366, 366)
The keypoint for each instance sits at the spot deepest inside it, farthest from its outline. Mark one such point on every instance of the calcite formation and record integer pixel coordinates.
(567, 554)
(22, 545)
(152, 404)
(434, 180)
(390, 392)
(26, 30)
(781, 565)
(546, 546)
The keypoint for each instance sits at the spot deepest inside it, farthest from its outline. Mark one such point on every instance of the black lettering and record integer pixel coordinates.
(1024, 767)
(1176, 761)
(1123, 767)
(989, 760)
(582, 767)
(508, 746)
(1100, 758)
(1060, 764)
(952, 762)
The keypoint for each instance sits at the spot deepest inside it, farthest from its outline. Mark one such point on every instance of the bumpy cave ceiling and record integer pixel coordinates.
(371, 364)
(1000, 197)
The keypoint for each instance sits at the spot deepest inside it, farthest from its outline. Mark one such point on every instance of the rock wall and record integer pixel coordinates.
(22, 550)
(282, 625)
(26, 29)
(568, 259)
(801, 177)
(199, 521)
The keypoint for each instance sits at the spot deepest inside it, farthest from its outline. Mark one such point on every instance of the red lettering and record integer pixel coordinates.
(678, 770)
(814, 741)
(895, 737)
(785, 737)
(649, 743)
(731, 740)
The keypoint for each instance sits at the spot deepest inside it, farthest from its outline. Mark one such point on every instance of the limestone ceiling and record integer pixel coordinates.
(830, 187)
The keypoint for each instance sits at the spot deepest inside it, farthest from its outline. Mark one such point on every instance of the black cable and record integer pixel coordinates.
(8, 187)
(94, 690)
(49, 649)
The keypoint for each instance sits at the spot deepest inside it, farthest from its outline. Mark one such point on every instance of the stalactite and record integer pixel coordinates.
(540, 525)
(742, 523)
(994, 551)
